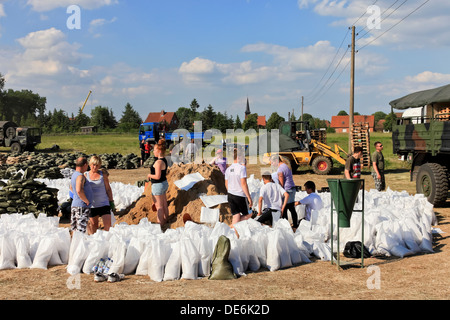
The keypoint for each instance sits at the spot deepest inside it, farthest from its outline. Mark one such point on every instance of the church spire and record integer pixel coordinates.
(247, 111)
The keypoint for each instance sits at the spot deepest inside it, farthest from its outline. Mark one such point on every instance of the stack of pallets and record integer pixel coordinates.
(319, 135)
(361, 137)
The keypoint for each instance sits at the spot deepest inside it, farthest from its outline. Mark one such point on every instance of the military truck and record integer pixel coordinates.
(18, 138)
(423, 137)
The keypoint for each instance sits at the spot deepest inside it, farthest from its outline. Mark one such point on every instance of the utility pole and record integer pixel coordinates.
(303, 100)
(352, 93)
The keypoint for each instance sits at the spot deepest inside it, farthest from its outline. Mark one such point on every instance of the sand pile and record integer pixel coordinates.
(180, 201)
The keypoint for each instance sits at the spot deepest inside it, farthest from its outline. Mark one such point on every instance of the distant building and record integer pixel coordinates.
(341, 123)
(168, 120)
(262, 122)
(88, 130)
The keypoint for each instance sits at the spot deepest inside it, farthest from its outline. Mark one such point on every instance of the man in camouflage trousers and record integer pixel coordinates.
(378, 167)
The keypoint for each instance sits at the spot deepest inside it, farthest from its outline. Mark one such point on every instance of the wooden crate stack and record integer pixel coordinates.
(443, 114)
(319, 135)
(361, 137)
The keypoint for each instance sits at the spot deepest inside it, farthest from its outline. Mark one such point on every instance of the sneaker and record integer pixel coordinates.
(115, 277)
(100, 277)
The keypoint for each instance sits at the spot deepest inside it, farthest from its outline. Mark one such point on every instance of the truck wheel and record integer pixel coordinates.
(322, 165)
(16, 148)
(432, 181)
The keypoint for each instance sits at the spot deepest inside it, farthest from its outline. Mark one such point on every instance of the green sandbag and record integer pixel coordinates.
(222, 269)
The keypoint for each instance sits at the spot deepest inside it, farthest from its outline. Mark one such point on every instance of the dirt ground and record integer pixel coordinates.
(419, 277)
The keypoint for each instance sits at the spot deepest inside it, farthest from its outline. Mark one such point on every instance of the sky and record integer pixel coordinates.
(160, 55)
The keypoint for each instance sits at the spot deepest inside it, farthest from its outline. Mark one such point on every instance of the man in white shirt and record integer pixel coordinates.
(191, 152)
(312, 201)
(275, 199)
(238, 194)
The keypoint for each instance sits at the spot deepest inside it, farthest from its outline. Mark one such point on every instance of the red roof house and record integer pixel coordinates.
(341, 123)
(168, 120)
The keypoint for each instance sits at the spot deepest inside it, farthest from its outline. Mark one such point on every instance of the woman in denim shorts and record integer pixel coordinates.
(158, 178)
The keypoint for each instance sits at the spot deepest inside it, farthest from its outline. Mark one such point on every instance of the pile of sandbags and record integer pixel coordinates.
(185, 252)
(30, 242)
(395, 224)
(28, 196)
(124, 194)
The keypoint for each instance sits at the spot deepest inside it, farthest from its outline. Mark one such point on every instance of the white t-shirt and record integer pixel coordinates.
(233, 175)
(272, 194)
(312, 202)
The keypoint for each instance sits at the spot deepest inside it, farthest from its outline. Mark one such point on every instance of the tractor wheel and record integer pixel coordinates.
(16, 148)
(294, 166)
(432, 181)
(322, 165)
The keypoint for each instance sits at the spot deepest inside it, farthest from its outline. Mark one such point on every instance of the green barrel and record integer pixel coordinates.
(344, 193)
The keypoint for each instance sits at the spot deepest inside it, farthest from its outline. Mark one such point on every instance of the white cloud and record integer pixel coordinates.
(428, 26)
(48, 5)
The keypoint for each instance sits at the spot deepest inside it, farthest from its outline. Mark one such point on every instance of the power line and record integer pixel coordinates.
(329, 66)
(386, 16)
(314, 94)
(380, 21)
(317, 98)
(404, 18)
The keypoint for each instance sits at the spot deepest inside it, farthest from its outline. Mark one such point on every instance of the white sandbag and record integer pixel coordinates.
(260, 245)
(400, 251)
(157, 259)
(7, 252)
(134, 251)
(78, 252)
(253, 261)
(98, 249)
(63, 244)
(322, 250)
(44, 253)
(22, 252)
(117, 251)
(188, 181)
(208, 215)
(409, 239)
(427, 241)
(172, 269)
(204, 266)
(189, 259)
(142, 267)
(235, 257)
(213, 200)
(273, 261)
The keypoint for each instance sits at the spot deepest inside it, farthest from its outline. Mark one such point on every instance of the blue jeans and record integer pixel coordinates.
(160, 188)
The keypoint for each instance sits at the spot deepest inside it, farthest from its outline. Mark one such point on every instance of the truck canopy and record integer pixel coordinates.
(422, 98)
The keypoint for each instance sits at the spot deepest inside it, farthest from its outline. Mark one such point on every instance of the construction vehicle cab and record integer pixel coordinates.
(311, 152)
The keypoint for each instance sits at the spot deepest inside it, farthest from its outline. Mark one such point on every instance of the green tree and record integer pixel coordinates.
(81, 120)
(184, 117)
(274, 121)
(251, 122)
(391, 118)
(207, 117)
(21, 105)
(379, 115)
(130, 119)
(103, 118)
(342, 113)
(237, 123)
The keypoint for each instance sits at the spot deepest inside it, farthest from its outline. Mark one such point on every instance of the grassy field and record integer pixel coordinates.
(126, 143)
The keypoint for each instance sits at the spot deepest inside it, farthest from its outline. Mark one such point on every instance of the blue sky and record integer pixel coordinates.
(162, 54)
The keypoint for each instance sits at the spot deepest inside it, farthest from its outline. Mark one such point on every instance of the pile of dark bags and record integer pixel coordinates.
(28, 196)
(49, 165)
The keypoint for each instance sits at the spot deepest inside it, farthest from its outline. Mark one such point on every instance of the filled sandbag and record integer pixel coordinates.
(221, 268)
